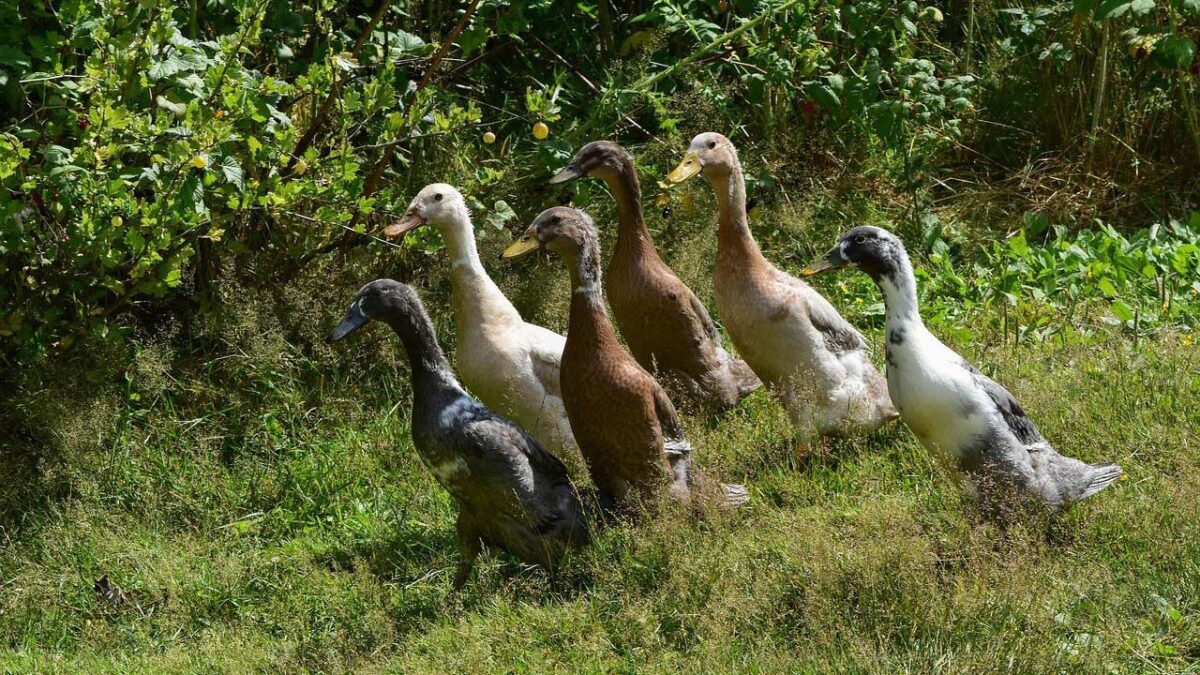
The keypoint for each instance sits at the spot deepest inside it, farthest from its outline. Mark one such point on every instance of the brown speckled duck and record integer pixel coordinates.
(626, 427)
(811, 358)
(667, 328)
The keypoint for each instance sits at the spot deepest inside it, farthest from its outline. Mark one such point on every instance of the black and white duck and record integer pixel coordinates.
(511, 492)
(956, 411)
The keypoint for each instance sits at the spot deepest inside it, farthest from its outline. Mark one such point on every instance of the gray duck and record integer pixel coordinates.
(511, 492)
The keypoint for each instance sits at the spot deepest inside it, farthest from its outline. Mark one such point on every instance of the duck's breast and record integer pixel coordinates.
(936, 396)
(765, 319)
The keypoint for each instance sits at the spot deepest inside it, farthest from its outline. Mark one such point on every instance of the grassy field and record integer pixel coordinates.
(253, 498)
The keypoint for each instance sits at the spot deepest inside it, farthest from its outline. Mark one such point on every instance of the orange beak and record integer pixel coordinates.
(409, 222)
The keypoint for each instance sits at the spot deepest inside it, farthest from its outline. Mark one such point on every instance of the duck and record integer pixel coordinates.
(628, 430)
(665, 325)
(961, 415)
(511, 492)
(510, 364)
(812, 360)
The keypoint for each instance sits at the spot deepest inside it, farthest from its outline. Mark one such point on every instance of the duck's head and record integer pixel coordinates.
(598, 159)
(870, 249)
(710, 153)
(380, 299)
(561, 229)
(437, 204)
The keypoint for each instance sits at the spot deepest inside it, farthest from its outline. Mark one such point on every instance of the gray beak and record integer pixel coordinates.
(832, 261)
(354, 320)
(566, 174)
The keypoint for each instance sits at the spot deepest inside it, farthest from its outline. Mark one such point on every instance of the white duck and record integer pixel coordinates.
(511, 365)
(956, 411)
(810, 358)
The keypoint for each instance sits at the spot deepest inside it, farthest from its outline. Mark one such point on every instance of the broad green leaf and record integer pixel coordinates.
(232, 171)
(1174, 52)
(407, 42)
(823, 95)
(1110, 9)
(1019, 245)
(500, 214)
(1122, 311)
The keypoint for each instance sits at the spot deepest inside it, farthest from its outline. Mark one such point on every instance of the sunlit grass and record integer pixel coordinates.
(255, 496)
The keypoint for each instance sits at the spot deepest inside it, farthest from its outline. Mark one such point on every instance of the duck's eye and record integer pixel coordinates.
(860, 239)
(437, 197)
(712, 145)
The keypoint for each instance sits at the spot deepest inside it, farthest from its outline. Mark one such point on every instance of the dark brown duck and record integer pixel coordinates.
(627, 429)
(667, 328)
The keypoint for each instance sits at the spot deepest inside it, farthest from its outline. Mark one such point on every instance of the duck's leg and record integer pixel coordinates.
(469, 547)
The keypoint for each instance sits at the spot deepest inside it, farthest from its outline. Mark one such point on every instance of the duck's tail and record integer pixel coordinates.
(733, 496)
(1097, 478)
(745, 379)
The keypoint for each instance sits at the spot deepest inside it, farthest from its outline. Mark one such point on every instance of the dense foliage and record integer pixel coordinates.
(147, 149)
(190, 193)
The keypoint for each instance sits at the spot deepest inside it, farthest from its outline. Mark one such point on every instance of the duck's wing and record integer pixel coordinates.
(668, 420)
(840, 337)
(1010, 410)
(522, 446)
(700, 312)
(676, 447)
(545, 355)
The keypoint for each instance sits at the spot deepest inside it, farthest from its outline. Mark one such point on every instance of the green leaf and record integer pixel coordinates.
(823, 95)
(1110, 9)
(1019, 245)
(1122, 311)
(407, 42)
(501, 213)
(1106, 287)
(191, 195)
(1174, 52)
(233, 172)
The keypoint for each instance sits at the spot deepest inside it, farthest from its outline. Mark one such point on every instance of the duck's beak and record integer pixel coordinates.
(525, 244)
(354, 320)
(832, 261)
(407, 223)
(690, 166)
(565, 175)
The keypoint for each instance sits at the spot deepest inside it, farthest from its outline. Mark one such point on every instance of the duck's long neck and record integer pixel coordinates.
(476, 298)
(733, 233)
(632, 236)
(589, 325)
(899, 286)
(431, 372)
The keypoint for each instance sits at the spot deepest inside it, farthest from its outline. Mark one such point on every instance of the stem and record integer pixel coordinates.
(970, 32)
(606, 31)
(1098, 99)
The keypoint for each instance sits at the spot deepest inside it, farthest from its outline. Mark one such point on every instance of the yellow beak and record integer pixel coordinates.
(690, 166)
(525, 244)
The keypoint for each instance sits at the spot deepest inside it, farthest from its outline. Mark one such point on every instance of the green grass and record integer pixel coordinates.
(255, 495)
